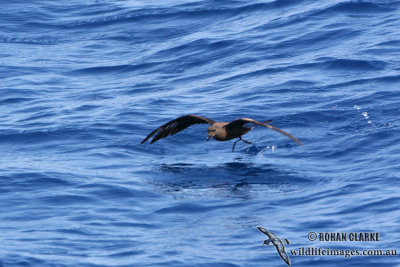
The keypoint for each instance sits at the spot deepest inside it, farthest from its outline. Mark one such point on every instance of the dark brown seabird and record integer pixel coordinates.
(219, 130)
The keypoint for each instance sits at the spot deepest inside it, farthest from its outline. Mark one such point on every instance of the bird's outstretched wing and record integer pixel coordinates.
(177, 125)
(264, 231)
(280, 248)
(242, 121)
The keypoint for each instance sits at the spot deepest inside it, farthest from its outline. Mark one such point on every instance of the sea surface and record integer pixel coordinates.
(84, 82)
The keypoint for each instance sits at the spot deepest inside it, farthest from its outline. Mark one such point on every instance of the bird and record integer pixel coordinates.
(218, 130)
(277, 242)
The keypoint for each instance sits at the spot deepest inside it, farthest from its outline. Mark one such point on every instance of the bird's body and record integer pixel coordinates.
(219, 130)
(222, 134)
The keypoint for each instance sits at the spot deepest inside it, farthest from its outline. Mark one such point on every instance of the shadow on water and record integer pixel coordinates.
(236, 179)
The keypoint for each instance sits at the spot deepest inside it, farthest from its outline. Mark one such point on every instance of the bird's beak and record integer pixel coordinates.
(208, 137)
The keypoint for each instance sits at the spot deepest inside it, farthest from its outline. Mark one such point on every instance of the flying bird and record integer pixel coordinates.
(219, 130)
(277, 242)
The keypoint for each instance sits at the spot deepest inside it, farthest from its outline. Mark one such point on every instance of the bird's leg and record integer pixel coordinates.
(234, 144)
(248, 142)
(240, 139)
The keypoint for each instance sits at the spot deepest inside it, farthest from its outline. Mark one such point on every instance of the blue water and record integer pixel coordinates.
(83, 82)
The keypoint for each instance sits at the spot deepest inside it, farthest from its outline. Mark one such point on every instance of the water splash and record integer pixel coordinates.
(364, 114)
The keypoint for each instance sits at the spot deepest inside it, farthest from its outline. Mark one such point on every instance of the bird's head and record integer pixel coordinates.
(212, 130)
(267, 242)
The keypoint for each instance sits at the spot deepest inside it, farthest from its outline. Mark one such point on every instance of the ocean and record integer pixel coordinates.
(84, 82)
